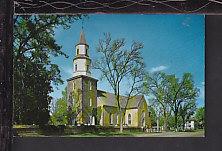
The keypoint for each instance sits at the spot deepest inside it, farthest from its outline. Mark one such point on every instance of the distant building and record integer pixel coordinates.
(92, 106)
(190, 124)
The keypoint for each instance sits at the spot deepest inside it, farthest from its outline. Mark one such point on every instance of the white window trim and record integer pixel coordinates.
(73, 85)
(90, 85)
(90, 102)
(130, 119)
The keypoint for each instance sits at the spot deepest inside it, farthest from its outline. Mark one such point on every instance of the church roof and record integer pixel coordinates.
(81, 76)
(82, 39)
(108, 99)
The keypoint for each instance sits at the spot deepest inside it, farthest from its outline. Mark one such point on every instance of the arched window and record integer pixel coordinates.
(86, 51)
(90, 102)
(73, 85)
(129, 119)
(87, 67)
(90, 85)
(77, 51)
(75, 67)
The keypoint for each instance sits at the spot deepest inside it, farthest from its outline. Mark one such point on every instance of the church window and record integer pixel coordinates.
(129, 119)
(87, 67)
(73, 85)
(90, 85)
(86, 51)
(77, 51)
(76, 67)
(90, 120)
(90, 102)
(111, 119)
(117, 119)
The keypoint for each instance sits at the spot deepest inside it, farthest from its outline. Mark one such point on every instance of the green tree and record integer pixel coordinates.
(186, 110)
(180, 91)
(34, 73)
(157, 87)
(200, 117)
(118, 64)
(59, 117)
(75, 109)
(153, 116)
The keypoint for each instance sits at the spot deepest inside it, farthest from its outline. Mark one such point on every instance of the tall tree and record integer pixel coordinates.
(153, 116)
(118, 65)
(180, 91)
(34, 73)
(157, 87)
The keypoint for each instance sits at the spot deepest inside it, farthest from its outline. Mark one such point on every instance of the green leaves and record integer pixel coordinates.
(171, 92)
(200, 117)
(59, 117)
(34, 73)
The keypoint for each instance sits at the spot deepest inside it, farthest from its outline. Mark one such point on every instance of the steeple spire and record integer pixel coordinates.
(81, 61)
(82, 39)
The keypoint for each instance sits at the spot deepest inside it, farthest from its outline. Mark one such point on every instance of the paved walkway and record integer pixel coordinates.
(173, 134)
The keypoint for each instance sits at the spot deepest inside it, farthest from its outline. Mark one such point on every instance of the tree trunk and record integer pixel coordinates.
(157, 124)
(165, 124)
(121, 122)
(6, 108)
(176, 127)
(183, 121)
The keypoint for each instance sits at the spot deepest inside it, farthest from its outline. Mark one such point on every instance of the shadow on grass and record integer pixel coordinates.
(101, 134)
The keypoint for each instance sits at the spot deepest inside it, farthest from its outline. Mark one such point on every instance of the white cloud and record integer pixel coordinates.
(159, 68)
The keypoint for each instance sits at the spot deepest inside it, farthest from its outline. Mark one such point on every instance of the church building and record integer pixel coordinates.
(91, 106)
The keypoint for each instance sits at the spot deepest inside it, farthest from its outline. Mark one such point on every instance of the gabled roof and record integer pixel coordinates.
(108, 99)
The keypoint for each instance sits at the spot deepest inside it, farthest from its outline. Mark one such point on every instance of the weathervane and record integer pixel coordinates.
(82, 24)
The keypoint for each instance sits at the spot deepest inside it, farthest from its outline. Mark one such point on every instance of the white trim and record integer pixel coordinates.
(90, 101)
(130, 119)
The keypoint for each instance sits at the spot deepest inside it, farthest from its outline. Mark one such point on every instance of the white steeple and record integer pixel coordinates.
(81, 62)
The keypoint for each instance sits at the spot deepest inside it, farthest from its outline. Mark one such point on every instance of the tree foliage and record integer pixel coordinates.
(60, 115)
(157, 88)
(153, 116)
(172, 95)
(200, 117)
(34, 73)
(186, 110)
(181, 91)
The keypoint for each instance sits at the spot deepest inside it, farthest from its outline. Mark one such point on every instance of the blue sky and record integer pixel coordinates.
(172, 43)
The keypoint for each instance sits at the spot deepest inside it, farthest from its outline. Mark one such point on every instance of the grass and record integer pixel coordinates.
(126, 133)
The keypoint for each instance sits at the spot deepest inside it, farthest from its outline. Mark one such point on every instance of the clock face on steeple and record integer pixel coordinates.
(82, 62)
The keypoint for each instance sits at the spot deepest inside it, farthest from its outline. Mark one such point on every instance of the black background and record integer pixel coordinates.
(213, 94)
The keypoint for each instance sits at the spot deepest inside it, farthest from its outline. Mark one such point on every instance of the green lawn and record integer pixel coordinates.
(126, 133)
